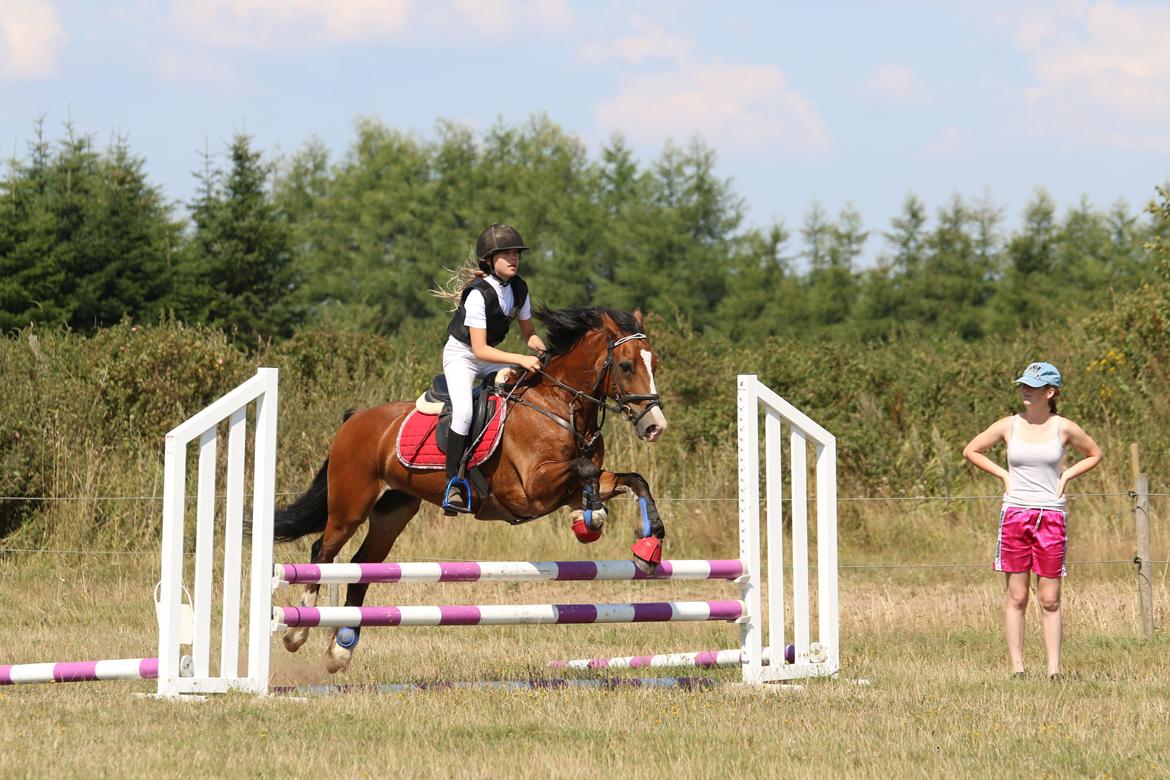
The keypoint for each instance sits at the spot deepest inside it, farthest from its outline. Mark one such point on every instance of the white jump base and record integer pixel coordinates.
(811, 655)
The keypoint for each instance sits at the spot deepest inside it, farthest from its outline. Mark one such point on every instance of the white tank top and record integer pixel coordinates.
(1034, 471)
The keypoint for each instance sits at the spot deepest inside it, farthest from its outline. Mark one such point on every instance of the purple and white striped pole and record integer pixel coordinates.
(503, 571)
(80, 671)
(704, 660)
(498, 615)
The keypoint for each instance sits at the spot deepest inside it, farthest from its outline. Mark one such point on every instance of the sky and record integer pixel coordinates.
(838, 103)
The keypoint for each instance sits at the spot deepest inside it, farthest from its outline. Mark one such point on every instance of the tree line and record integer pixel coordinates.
(357, 242)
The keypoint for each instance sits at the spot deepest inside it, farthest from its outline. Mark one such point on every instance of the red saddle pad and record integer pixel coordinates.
(416, 445)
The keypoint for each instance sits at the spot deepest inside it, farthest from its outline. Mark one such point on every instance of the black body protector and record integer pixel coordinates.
(498, 321)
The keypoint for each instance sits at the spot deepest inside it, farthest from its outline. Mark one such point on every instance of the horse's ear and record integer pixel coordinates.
(638, 317)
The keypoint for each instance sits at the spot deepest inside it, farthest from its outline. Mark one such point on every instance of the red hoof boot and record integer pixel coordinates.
(648, 550)
(583, 533)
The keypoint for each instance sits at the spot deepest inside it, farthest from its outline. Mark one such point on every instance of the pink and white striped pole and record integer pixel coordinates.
(706, 659)
(498, 615)
(503, 571)
(80, 671)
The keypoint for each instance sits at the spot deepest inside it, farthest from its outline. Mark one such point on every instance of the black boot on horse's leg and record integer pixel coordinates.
(457, 495)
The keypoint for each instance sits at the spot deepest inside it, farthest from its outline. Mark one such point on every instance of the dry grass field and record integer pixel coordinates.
(938, 699)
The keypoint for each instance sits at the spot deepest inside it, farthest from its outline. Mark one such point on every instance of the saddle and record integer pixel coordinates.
(422, 439)
(437, 401)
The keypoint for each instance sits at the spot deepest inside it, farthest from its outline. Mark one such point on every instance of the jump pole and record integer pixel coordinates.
(705, 659)
(80, 671)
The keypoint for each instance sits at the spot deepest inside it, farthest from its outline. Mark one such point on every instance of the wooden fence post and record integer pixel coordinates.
(1141, 517)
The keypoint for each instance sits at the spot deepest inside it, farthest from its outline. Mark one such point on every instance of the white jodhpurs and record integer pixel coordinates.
(462, 368)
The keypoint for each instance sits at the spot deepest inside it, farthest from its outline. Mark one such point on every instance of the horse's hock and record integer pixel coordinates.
(185, 663)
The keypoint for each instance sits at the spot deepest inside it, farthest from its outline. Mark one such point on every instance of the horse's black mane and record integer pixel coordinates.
(567, 326)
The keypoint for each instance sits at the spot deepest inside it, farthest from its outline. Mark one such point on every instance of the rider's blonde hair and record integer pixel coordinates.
(465, 274)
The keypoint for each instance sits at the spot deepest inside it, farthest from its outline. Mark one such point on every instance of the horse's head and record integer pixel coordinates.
(618, 358)
(630, 381)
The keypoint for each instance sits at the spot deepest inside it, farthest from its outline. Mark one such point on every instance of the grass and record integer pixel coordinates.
(919, 621)
(939, 699)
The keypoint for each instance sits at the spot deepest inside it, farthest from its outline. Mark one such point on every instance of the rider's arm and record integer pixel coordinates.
(975, 448)
(530, 338)
(481, 350)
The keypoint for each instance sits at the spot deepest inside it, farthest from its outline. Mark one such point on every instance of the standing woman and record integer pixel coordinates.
(1032, 533)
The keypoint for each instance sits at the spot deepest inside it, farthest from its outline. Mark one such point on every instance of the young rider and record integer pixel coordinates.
(492, 296)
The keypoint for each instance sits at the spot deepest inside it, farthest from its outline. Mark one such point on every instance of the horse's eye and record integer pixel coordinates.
(627, 367)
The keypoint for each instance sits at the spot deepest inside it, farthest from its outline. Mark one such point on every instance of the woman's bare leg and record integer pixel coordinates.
(1015, 607)
(1048, 594)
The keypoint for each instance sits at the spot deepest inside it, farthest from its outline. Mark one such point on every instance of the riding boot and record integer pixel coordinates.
(455, 499)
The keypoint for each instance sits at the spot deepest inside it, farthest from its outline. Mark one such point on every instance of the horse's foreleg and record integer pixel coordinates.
(590, 518)
(648, 548)
(388, 518)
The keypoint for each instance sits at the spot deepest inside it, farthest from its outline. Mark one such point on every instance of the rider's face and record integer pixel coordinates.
(506, 263)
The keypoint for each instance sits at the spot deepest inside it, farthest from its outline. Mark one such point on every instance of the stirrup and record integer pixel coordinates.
(458, 483)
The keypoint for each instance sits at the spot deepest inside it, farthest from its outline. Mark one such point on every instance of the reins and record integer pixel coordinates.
(622, 399)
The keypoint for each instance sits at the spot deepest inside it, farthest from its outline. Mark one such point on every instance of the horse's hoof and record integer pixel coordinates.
(646, 568)
(648, 551)
(582, 530)
(337, 659)
(294, 638)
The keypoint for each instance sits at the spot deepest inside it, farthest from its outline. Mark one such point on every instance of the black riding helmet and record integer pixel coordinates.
(496, 238)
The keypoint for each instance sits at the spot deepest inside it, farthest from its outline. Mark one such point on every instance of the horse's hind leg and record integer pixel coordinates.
(348, 509)
(387, 520)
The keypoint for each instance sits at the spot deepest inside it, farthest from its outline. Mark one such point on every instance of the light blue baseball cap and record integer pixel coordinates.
(1040, 375)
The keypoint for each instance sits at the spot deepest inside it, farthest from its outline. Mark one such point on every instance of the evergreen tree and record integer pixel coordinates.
(832, 249)
(84, 239)
(237, 273)
(955, 281)
(763, 297)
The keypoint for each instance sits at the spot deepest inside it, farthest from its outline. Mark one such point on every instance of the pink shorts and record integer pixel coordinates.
(1032, 540)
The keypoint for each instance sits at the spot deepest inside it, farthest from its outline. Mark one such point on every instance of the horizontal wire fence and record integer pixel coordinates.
(657, 499)
(984, 564)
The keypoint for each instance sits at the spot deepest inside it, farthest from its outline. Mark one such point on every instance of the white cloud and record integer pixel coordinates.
(289, 23)
(30, 35)
(749, 106)
(501, 17)
(276, 23)
(951, 143)
(1101, 71)
(667, 90)
(647, 41)
(896, 84)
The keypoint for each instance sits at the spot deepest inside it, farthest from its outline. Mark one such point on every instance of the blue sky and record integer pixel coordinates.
(832, 102)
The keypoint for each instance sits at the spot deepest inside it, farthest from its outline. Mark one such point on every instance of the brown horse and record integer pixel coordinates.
(550, 456)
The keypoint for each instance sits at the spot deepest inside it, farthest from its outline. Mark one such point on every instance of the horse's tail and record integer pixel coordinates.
(308, 514)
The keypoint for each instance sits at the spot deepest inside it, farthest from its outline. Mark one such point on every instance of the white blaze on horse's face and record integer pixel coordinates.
(651, 426)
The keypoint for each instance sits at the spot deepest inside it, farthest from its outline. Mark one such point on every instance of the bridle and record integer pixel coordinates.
(623, 401)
